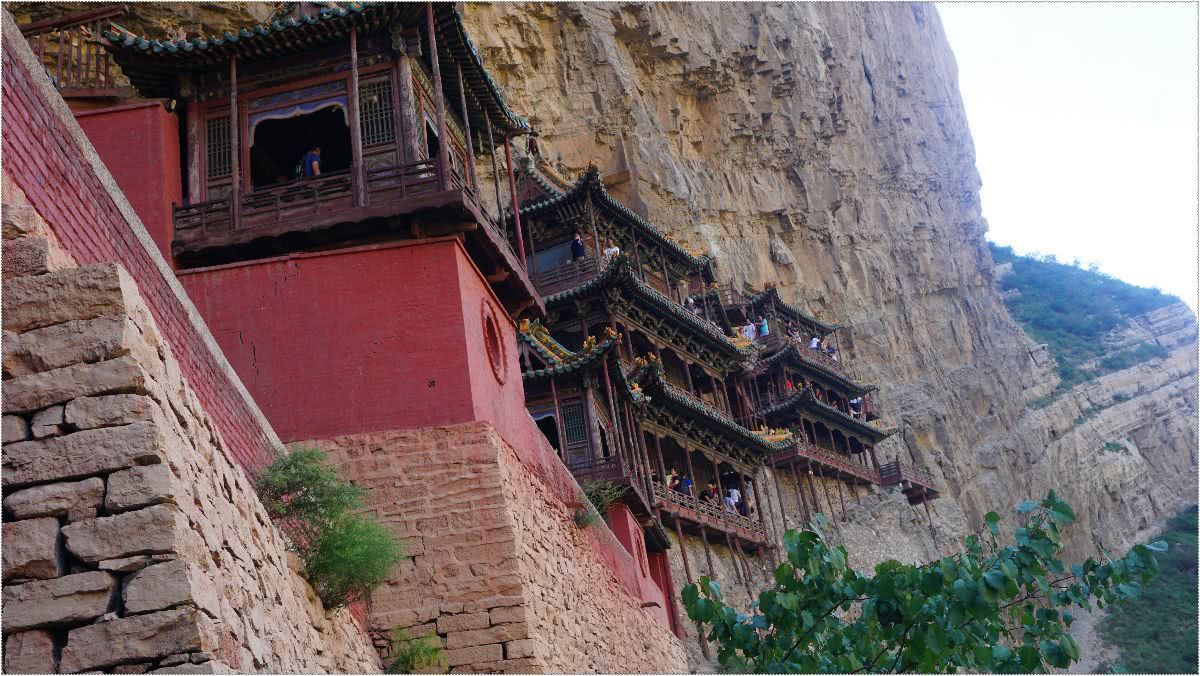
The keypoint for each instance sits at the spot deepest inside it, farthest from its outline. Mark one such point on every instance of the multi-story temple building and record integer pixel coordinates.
(313, 183)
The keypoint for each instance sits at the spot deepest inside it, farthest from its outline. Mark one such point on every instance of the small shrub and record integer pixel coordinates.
(1043, 402)
(603, 493)
(1114, 447)
(345, 554)
(1079, 421)
(586, 517)
(410, 654)
(1121, 396)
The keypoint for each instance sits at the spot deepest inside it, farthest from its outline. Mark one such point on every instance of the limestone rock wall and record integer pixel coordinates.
(824, 148)
(132, 541)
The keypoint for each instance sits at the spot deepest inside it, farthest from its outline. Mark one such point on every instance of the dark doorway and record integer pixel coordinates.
(431, 141)
(280, 144)
(548, 424)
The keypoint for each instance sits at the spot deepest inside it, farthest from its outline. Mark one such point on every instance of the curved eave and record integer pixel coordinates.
(738, 436)
(620, 272)
(590, 183)
(797, 358)
(835, 417)
(577, 363)
(796, 314)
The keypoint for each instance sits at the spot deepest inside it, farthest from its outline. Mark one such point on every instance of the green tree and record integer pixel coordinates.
(989, 608)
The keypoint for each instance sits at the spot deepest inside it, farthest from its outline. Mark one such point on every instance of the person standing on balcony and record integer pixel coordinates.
(832, 352)
(310, 164)
(856, 406)
(749, 331)
(814, 344)
(763, 329)
(578, 252)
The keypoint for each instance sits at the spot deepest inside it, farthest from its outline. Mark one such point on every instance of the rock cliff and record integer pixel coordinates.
(825, 148)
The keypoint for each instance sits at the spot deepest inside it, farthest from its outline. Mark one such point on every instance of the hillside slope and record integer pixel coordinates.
(825, 148)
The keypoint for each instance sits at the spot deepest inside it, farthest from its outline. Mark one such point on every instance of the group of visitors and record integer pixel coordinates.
(579, 250)
(826, 347)
(756, 329)
(732, 502)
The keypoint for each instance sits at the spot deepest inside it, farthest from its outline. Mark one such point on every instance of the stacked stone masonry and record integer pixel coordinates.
(500, 572)
(132, 541)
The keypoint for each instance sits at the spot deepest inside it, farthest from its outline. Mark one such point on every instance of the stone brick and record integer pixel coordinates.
(74, 342)
(31, 549)
(82, 454)
(28, 393)
(31, 256)
(473, 654)
(169, 584)
(30, 652)
(209, 667)
(21, 221)
(136, 639)
(138, 487)
(498, 634)
(66, 600)
(77, 293)
(507, 614)
(127, 564)
(523, 665)
(47, 422)
(79, 499)
(139, 668)
(105, 411)
(526, 647)
(449, 623)
(15, 429)
(146, 531)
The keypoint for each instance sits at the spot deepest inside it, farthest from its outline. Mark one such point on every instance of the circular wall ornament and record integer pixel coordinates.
(492, 342)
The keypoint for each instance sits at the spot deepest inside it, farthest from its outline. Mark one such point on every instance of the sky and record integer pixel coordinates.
(1084, 119)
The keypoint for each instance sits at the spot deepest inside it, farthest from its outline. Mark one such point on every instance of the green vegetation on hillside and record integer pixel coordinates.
(1156, 632)
(1071, 309)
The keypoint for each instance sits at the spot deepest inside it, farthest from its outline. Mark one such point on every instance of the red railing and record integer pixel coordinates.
(69, 48)
(709, 512)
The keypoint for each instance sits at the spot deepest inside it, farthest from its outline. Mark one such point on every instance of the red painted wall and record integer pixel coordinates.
(139, 143)
(362, 340)
(46, 156)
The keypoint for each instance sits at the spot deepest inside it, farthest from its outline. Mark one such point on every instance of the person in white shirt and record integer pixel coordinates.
(735, 495)
(814, 344)
(749, 331)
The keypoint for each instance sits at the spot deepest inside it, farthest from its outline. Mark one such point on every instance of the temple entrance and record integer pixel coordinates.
(279, 145)
(548, 424)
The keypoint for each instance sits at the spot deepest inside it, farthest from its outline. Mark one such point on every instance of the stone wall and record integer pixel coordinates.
(133, 542)
(500, 573)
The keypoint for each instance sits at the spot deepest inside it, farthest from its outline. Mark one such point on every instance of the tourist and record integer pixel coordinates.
(310, 164)
(749, 331)
(577, 249)
(673, 480)
(692, 307)
(711, 494)
(685, 485)
(856, 405)
(814, 344)
(793, 332)
(611, 251)
(763, 329)
(743, 508)
(736, 495)
(730, 505)
(832, 352)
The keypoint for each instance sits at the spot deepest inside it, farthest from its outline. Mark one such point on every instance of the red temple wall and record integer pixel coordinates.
(367, 339)
(139, 143)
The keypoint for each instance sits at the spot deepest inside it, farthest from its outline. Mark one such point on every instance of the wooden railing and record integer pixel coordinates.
(565, 276)
(707, 509)
(834, 461)
(894, 472)
(326, 199)
(68, 46)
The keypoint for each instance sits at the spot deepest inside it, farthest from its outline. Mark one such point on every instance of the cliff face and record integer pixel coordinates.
(825, 148)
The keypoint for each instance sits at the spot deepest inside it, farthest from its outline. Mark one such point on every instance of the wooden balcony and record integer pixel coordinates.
(831, 464)
(69, 48)
(322, 211)
(694, 513)
(566, 276)
(614, 470)
(918, 484)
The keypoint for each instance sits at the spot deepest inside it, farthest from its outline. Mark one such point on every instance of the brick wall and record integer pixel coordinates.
(132, 542)
(500, 572)
(49, 158)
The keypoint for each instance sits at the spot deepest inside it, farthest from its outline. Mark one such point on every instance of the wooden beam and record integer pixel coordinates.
(443, 158)
(356, 154)
(462, 99)
(512, 187)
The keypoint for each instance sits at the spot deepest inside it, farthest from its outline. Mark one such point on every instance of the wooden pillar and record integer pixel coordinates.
(874, 460)
(707, 552)
(662, 466)
(235, 147)
(496, 179)
(512, 188)
(687, 455)
(737, 567)
(762, 506)
(800, 495)
(443, 158)
(589, 403)
(612, 407)
(462, 102)
(194, 153)
(812, 490)
(687, 371)
(841, 498)
(637, 256)
(404, 104)
(591, 211)
(687, 569)
(558, 423)
(356, 155)
(779, 493)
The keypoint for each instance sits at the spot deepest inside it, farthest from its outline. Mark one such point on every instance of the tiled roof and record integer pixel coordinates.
(590, 183)
(561, 360)
(797, 352)
(620, 272)
(771, 294)
(154, 66)
(804, 399)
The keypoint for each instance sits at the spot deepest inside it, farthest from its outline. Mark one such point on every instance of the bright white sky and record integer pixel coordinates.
(1084, 119)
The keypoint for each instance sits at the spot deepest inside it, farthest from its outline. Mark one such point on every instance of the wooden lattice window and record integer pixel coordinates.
(573, 423)
(219, 146)
(375, 115)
